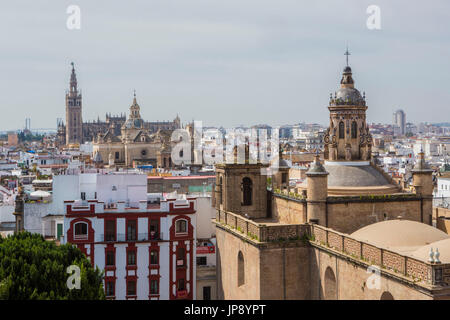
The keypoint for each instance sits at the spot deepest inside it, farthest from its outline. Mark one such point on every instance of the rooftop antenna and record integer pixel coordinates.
(347, 54)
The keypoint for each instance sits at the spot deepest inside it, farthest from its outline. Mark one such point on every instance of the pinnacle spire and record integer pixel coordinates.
(73, 79)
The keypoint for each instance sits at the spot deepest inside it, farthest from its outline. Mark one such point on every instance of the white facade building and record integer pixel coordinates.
(146, 246)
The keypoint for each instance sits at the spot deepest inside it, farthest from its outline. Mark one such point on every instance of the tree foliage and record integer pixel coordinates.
(33, 268)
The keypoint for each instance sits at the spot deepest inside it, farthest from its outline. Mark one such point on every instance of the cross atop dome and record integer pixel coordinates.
(347, 54)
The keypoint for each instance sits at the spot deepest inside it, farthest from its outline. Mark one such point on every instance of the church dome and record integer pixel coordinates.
(400, 235)
(134, 123)
(354, 176)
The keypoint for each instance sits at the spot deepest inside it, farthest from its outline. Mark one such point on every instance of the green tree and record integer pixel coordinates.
(33, 268)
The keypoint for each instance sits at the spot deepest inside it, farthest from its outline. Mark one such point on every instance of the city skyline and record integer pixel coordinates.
(252, 65)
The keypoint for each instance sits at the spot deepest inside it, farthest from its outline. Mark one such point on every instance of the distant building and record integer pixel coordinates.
(399, 121)
(75, 131)
(13, 139)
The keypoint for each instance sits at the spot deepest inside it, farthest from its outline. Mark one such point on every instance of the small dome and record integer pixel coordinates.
(316, 167)
(347, 69)
(400, 235)
(351, 95)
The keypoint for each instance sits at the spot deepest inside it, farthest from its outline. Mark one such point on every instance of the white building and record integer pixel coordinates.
(146, 245)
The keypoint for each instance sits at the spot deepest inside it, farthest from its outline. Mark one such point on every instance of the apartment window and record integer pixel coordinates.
(201, 261)
(131, 230)
(181, 284)
(110, 230)
(154, 229)
(153, 286)
(131, 258)
(83, 196)
(109, 288)
(81, 230)
(153, 257)
(180, 257)
(131, 287)
(181, 226)
(110, 258)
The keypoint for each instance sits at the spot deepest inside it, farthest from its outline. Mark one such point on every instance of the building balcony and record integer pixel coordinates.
(121, 237)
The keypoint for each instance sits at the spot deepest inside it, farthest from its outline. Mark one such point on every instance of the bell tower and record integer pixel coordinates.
(74, 121)
(347, 137)
(241, 188)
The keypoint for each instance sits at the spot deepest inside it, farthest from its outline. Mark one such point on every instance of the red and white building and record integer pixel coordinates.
(145, 247)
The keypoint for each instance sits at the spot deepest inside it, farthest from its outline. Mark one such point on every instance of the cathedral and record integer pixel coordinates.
(130, 133)
(349, 232)
(135, 145)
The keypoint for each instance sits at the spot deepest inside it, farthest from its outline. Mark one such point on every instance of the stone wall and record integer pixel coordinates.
(442, 218)
(287, 210)
(228, 247)
(261, 232)
(278, 270)
(349, 216)
(403, 265)
(354, 282)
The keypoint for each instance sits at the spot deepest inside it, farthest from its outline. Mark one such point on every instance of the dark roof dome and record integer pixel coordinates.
(351, 95)
(347, 69)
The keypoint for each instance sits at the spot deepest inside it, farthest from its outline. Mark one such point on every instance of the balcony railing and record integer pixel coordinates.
(121, 237)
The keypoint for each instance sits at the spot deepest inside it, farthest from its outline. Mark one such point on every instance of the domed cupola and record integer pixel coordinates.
(134, 120)
(347, 94)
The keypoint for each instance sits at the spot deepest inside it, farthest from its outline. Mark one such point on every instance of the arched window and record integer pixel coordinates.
(330, 285)
(341, 130)
(181, 226)
(80, 231)
(354, 129)
(247, 191)
(241, 269)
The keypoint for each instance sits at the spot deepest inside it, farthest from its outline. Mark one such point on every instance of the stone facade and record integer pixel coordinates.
(284, 245)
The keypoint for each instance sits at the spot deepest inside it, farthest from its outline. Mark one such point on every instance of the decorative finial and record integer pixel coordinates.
(347, 54)
(431, 254)
(135, 93)
(436, 256)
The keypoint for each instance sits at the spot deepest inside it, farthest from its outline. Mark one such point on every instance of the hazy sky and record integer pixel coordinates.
(224, 62)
